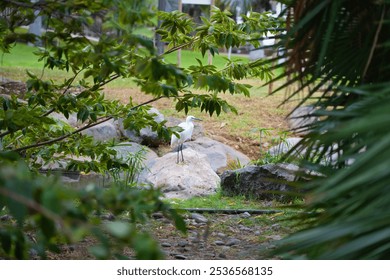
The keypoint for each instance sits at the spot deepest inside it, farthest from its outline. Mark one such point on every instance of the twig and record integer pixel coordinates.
(64, 92)
(375, 42)
(31, 204)
(48, 142)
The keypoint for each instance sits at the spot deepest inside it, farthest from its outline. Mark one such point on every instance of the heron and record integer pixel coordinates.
(185, 135)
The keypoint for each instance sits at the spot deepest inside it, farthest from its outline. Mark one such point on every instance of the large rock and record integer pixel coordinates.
(268, 182)
(301, 119)
(284, 147)
(194, 177)
(71, 120)
(76, 179)
(146, 135)
(330, 156)
(103, 132)
(125, 149)
(218, 154)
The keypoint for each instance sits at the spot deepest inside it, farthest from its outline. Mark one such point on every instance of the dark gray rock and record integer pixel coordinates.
(222, 256)
(268, 182)
(158, 215)
(180, 257)
(233, 241)
(199, 218)
(182, 243)
(166, 244)
(245, 215)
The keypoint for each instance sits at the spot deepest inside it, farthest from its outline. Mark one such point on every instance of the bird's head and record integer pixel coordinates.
(192, 118)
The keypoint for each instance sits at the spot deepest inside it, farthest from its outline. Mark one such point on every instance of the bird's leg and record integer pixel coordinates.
(178, 156)
(181, 149)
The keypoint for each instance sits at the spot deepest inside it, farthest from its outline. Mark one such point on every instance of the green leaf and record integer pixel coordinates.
(5, 240)
(118, 229)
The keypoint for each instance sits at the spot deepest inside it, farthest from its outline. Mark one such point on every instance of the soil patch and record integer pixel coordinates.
(222, 236)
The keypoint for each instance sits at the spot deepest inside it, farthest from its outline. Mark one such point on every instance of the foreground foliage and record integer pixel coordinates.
(45, 215)
(342, 47)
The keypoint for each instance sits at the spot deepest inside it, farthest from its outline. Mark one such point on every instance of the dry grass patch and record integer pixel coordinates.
(261, 110)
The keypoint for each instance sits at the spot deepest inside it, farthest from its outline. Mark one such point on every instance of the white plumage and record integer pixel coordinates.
(185, 135)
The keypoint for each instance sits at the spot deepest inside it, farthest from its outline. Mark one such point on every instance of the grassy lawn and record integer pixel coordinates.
(258, 111)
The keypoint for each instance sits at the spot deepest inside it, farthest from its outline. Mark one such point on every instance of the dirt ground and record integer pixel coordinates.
(222, 236)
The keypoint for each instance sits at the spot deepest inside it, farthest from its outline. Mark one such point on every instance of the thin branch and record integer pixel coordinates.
(31, 204)
(112, 78)
(48, 142)
(374, 44)
(63, 93)
(147, 102)
(179, 47)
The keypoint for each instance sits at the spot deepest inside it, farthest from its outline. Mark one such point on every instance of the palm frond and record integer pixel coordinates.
(342, 47)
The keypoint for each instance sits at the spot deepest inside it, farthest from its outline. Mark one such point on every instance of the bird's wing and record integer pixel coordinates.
(174, 138)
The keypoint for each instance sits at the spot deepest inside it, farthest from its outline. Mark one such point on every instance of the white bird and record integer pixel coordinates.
(185, 134)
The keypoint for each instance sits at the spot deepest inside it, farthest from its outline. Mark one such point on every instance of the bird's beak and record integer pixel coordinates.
(197, 119)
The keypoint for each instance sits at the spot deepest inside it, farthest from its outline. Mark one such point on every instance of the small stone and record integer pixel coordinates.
(244, 228)
(165, 221)
(271, 246)
(219, 243)
(232, 242)
(166, 244)
(222, 256)
(212, 255)
(220, 234)
(5, 218)
(182, 243)
(71, 248)
(195, 240)
(108, 217)
(275, 237)
(157, 215)
(275, 227)
(257, 232)
(33, 253)
(180, 257)
(199, 218)
(245, 215)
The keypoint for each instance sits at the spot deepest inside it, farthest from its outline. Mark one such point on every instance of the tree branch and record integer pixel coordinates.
(375, 42)
(48, 142)
(64, 92)
(51, 141)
